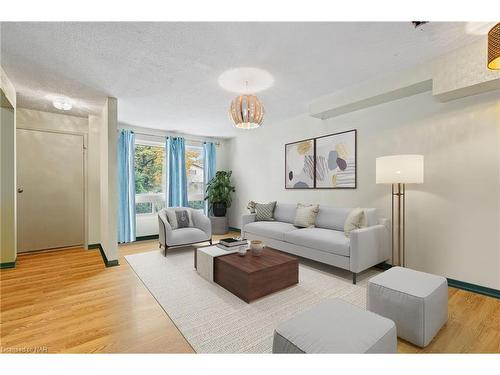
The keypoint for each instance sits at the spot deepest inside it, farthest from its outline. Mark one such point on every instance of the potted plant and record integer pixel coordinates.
(219, 191)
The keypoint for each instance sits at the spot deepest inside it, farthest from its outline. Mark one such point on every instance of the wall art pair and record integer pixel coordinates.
(326, 162)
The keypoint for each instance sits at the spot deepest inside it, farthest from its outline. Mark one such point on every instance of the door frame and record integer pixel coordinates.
(85, 173)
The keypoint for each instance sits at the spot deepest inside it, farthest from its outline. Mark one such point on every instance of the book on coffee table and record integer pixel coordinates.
(232, 242)
(227, 248)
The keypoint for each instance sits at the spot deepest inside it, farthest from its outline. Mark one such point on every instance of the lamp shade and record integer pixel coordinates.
(494, 48)
(404, 169)
(247, 112)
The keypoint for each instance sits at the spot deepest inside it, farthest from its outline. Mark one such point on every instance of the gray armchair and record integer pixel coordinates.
(201, 231)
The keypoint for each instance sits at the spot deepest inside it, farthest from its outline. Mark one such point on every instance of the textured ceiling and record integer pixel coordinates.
(165, 74)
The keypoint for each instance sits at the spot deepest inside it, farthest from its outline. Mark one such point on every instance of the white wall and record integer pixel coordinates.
(94, 180)
(8, 225)
(108, 183)
(39, 120)
(453, 219)
(8, 88)
(8, 228)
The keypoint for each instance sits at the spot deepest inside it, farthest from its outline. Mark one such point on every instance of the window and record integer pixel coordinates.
(194, 171)
(149, 178)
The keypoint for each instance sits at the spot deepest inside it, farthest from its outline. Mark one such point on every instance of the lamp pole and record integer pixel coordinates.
(398, 170)
(399, 215)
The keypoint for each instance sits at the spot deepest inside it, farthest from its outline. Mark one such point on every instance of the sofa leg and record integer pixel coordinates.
(210, 241)
(354, 278)
(166, 247)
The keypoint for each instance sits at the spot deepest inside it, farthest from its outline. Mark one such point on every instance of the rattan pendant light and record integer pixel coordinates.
(246, 111)
(494, 48)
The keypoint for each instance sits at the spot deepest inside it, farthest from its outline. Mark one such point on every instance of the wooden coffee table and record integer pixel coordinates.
(251, 277)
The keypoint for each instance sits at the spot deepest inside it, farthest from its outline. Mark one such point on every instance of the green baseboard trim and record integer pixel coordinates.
(107, 263)
(490, 292)
(234, 229)
(147, 238)
(8, 265)
(384, 266)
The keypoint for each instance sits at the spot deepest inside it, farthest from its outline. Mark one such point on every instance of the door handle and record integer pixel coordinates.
(20, 190)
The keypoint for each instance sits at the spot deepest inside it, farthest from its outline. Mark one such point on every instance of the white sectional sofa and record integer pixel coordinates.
(326, 242)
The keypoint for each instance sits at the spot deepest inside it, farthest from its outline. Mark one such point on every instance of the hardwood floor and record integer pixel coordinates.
(67, 301)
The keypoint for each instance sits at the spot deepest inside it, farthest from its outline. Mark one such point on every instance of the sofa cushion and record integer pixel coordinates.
(332, 217)
(270, 229)
(285, 212)
(327, 240)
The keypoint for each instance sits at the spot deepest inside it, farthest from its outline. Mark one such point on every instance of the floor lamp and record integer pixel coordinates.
(399, 170)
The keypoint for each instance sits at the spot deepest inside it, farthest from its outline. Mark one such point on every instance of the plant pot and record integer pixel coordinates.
(219, 209)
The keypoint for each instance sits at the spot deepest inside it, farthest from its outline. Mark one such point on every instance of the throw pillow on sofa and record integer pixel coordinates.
(355, 220)
(264, 212)
(305, 215)
(179, 217)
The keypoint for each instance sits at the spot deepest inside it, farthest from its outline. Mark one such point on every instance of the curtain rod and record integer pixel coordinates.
(217, 143)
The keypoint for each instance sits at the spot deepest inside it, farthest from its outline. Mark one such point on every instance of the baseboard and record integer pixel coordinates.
(147, 238)
(490, 292)
(233, 229)
(8, 265)
(384, 266)
(107, 263)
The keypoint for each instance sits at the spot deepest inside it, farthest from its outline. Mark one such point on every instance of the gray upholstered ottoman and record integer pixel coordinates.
(416, 301)
(336, 326)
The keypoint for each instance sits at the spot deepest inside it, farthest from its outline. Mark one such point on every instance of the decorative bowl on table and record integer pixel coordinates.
(256, 246)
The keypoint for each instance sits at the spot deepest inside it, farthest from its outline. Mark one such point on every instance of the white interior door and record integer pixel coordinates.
(50, 198)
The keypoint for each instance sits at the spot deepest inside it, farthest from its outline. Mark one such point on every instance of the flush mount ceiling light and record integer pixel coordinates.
(246, 110)
(64, 104)
(494, 48)
(244, 79)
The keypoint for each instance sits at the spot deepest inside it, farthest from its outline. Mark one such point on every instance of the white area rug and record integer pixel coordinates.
(213, 320)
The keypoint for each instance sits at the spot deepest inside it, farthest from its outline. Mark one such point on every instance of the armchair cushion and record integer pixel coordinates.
(201, 221)
(184, 236)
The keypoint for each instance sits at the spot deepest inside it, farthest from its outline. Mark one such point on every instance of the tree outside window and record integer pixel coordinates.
(194, 172)
(149, 166)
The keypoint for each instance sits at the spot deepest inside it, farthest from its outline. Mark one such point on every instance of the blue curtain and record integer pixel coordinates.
(208, 167)
(126, 186)
(177, 195)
